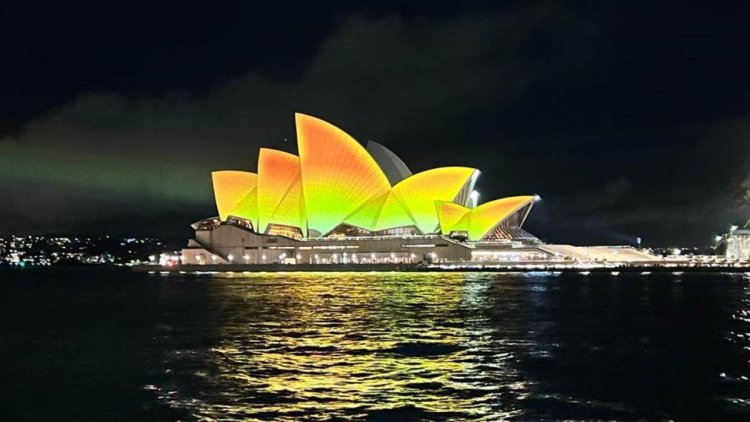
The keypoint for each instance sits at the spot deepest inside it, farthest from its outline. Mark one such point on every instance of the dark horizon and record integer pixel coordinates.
(629, 119)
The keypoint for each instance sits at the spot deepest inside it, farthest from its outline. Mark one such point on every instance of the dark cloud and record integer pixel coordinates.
(687, 186)
(612, 195)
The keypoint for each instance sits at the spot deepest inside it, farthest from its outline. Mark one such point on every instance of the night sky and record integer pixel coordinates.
(629, 119)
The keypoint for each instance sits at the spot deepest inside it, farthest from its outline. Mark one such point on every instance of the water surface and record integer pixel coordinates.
(112, 345)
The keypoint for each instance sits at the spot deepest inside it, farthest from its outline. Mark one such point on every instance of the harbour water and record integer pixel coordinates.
(93, 344)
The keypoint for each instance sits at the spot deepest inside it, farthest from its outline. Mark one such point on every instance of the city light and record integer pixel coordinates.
(36, 251)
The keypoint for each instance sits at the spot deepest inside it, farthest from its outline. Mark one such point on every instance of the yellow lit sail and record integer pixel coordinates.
(488, 215)
(366, 215)
(247, 208)
(291, 209)
(233, 191)
(279, 189)
(393, 214)
(453, 217)
(381, 213)
(412, 201)
(479, 221)
(419, 192)
(338, 175)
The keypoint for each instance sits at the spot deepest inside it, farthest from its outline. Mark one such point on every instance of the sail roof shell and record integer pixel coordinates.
(393, 167)
(279, 189)
(338, 175)
(479, 221)
(234, 193)
(419, 192)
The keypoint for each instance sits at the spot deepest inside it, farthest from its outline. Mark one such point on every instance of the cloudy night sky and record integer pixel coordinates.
(628, 118)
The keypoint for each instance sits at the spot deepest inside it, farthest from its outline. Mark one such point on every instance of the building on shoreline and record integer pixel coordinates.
(338, 202)
(737, 243)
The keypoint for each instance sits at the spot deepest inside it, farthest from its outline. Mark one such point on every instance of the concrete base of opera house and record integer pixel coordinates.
(227, 247)
(230, 244)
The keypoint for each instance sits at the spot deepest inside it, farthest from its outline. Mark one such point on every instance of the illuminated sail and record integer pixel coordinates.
(279, 189)
(338, 175)
(419, 192)
(488, 215)
(453, 217)
(480, 221)
(234, 192)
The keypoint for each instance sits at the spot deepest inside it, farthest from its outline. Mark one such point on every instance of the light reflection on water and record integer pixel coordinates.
(354, 345)
(436, 346)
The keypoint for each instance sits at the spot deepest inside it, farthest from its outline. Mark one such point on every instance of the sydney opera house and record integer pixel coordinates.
(339, 202)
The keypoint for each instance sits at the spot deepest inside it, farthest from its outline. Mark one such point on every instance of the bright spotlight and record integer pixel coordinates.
(474, 196)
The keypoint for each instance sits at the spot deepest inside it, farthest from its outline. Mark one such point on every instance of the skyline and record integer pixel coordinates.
(628, 124)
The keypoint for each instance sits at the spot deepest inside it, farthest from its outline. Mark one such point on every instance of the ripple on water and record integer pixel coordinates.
(424, 349)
